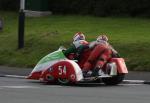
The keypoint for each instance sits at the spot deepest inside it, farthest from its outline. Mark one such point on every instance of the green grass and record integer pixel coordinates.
(130, 36)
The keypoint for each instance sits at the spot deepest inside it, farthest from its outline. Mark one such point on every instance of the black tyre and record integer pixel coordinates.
(63, 81)
(114, 80)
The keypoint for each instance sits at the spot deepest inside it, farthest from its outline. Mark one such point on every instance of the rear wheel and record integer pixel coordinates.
(114, 80)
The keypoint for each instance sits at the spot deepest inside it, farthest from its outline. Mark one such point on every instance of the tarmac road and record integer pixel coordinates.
(14, 90)
(17, 90)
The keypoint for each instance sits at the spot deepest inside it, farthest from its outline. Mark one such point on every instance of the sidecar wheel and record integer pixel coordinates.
(114, 80)
(63, 81)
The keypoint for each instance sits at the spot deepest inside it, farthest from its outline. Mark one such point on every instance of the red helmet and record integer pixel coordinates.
(79, 36)
(102, 37)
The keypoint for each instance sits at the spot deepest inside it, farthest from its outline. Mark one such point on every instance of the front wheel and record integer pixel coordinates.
(114, 80)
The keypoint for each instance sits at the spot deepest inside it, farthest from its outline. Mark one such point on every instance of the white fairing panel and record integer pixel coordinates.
(78, 71)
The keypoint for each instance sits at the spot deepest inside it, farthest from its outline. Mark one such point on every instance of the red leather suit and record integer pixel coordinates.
(100, 54)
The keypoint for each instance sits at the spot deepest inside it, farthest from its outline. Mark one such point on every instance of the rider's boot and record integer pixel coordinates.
(98, 71)
(95, 72)
(87, 74)
(86, 70)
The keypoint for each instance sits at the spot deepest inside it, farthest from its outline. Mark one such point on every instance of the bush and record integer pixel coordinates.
(9, 4)
(71, 6)
(91, 7)
(101, 7)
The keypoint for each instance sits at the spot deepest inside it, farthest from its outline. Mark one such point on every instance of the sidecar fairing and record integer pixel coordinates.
(55, 66)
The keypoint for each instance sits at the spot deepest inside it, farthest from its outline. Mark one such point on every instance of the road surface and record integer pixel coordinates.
(15, 90)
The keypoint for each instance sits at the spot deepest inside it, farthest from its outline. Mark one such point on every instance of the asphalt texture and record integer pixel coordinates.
(14, 90)
(19, 90)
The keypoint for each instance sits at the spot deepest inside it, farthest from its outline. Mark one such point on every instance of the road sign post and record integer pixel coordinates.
(21, 25)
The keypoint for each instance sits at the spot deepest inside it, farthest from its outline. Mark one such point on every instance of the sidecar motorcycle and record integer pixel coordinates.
(56, 67)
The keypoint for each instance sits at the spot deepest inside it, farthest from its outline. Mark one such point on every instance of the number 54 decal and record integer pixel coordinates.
(62, 70)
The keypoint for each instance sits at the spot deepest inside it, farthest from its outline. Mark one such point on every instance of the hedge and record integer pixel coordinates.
(91, 7)
(101, 7)
(9, 4)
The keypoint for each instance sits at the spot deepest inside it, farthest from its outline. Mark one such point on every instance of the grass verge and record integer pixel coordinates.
(130, 36)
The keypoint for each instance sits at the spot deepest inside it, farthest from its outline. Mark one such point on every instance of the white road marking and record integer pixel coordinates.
(18, 87)
(131, 84)
(29, 87)
(16, 76)
(55, 86)
(134, 81)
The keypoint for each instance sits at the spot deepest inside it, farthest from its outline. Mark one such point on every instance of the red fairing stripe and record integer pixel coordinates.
(35, 75)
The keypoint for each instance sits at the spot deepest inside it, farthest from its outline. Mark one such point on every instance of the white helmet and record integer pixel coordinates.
(78, 36)
(102, 37)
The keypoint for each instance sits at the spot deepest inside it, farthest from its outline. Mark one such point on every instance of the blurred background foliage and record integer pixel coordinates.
(101, 8)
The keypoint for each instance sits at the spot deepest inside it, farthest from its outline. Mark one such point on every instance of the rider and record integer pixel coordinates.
(78, 45)
(101, 52)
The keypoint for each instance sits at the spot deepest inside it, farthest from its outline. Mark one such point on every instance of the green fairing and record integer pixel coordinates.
(52, 56)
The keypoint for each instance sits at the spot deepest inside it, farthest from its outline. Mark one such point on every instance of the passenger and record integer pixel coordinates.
(102, 51)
